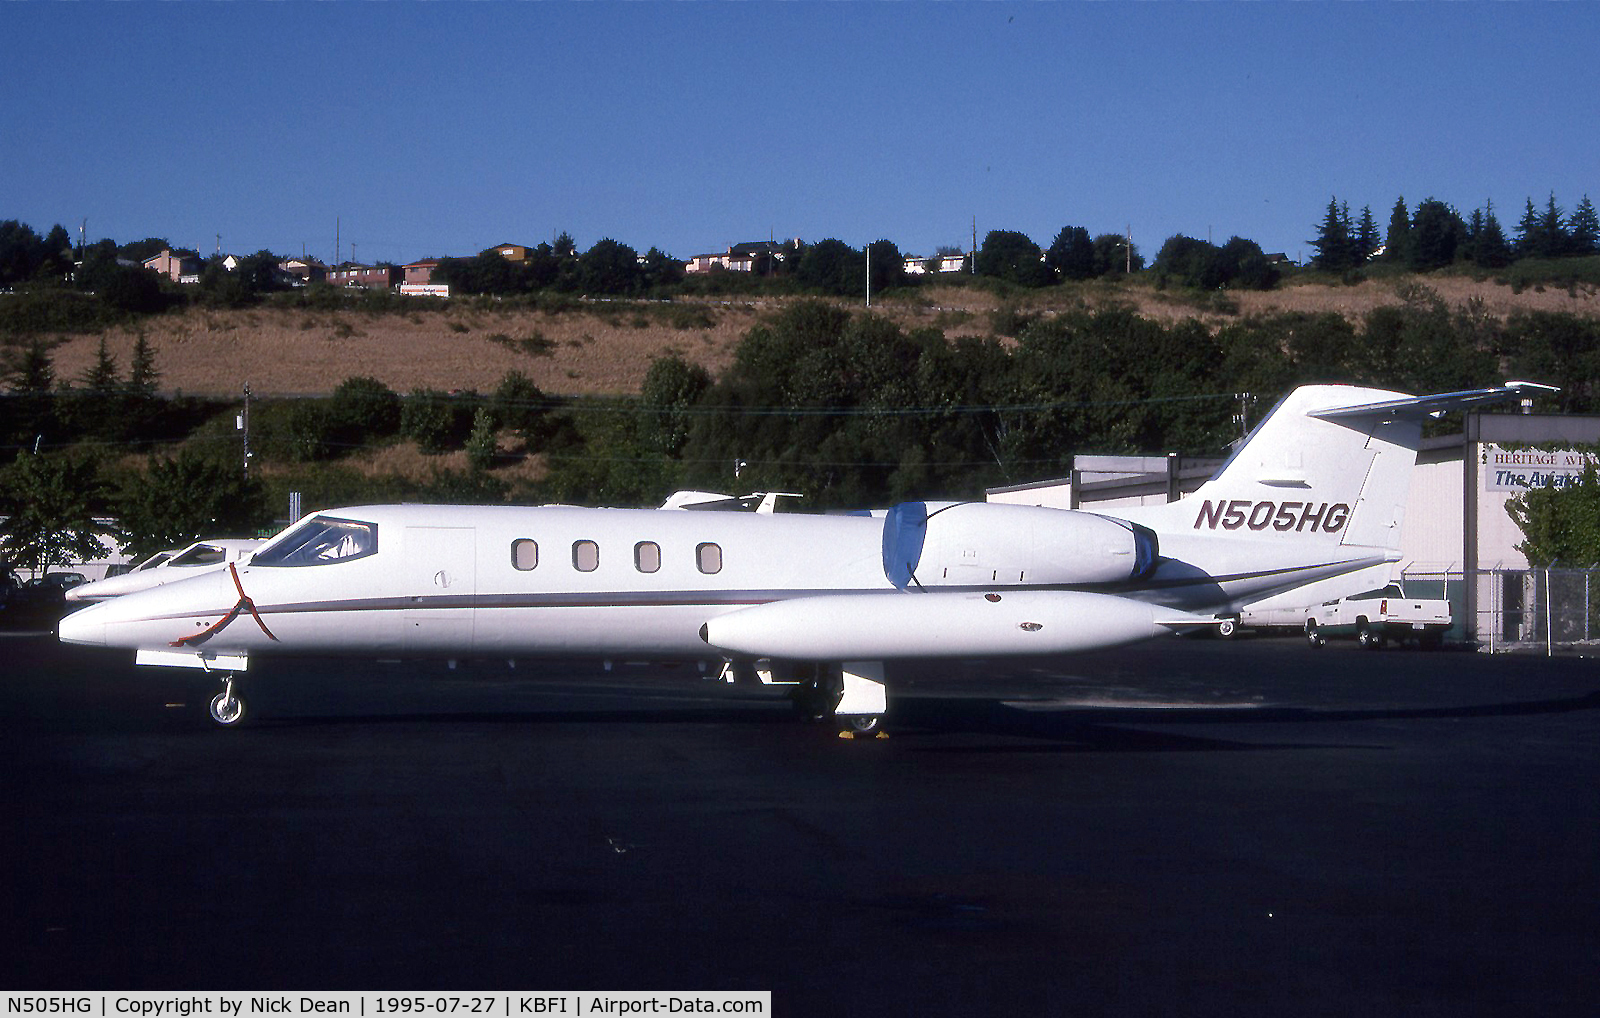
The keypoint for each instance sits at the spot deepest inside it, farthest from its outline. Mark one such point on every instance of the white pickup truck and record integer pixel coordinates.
(1379, 616)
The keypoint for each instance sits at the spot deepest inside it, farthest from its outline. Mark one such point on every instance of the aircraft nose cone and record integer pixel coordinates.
(85, 626)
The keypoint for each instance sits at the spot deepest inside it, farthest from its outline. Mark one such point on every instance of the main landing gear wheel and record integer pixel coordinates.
(227, 707)
(860, 726)
(1228, 628)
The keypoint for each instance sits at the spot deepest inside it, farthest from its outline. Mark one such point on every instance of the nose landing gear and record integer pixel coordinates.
(227, 707)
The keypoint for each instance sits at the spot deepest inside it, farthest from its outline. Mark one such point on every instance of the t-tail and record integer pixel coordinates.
(1330, 465)
(1311, 503)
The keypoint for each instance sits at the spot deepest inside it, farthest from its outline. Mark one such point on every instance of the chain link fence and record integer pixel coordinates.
(1538, 610)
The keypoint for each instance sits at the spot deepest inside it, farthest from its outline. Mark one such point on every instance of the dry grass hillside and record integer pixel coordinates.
(609, 349)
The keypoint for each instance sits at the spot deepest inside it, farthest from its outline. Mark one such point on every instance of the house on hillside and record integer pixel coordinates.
(916, 265)
(178, 266)
(750, 256)
(516, 253)
(304, 270)
(418, 272)
(365, 277)
(416, 279)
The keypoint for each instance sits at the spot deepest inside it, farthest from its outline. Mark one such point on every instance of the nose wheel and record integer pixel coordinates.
(227, 707)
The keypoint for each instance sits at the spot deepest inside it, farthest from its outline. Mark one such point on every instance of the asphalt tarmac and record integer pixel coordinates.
(1190, 827)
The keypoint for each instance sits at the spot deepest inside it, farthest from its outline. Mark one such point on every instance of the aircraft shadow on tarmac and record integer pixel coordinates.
(927, 722)
(1143, 729)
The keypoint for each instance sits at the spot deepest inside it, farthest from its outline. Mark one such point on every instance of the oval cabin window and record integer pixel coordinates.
(585, 556)
(524, 554)
(647, 556)
(709, 558)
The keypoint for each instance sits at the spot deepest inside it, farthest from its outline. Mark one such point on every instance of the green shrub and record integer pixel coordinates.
(32, 312)
(1564, 272)
(437, 421)
(364, 407)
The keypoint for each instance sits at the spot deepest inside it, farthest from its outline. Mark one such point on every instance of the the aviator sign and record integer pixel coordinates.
(1520, 469)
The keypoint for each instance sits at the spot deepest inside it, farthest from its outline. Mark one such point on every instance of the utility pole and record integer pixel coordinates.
(869, 275)
(1242, 418)
(243, 424)
(974, 245)
(1128, 250)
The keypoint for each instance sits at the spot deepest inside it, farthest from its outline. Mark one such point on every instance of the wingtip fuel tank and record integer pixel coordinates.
(940, 624)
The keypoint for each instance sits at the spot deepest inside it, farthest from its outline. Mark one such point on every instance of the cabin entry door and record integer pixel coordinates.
(441, 580)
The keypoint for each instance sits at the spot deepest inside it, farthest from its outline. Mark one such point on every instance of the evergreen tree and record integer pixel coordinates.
(1397, 244)
(97, 410)
(1529, 242)
(1334, 245)
(1489, 247)
(1366, 238)
(33, 374)
(1553, 229)
(142, 373)
(481, 444)
(1583, 229)
(31, 379)
(101, 376)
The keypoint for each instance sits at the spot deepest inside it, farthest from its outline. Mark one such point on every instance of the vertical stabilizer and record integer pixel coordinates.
(1330, 465)
(1305, 478)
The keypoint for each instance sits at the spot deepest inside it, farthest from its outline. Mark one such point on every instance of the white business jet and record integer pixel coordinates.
(1312, 499)
(167, 567)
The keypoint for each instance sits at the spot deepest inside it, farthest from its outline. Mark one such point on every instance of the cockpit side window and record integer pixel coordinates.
(320, 541)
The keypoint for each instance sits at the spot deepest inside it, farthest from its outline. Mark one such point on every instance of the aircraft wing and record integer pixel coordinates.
(1416, 407)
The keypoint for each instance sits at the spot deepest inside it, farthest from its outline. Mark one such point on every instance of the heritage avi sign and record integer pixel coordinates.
(1520, 469)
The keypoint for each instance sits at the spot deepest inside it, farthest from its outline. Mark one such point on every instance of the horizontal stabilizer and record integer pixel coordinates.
(1417, 407)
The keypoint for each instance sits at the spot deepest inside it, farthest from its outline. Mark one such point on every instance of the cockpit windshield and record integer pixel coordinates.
(200, 555)
(320, 541)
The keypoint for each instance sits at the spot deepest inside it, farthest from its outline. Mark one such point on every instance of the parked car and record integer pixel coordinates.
(42, 599)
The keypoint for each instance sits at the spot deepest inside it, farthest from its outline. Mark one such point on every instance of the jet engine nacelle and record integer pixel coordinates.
(932, 544)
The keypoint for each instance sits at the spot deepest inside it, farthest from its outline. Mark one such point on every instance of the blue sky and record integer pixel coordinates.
(445, 128)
